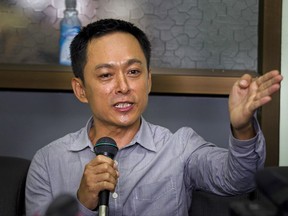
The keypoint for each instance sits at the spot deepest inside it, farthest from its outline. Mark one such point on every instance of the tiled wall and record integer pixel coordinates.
(219, 34)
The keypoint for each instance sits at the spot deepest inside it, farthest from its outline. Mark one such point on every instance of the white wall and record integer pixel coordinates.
(283, 161)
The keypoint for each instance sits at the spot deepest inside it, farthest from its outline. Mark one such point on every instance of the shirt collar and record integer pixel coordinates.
(143, 137)
(83, 141)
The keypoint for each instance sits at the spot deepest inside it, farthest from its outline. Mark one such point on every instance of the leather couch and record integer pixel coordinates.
(13, 172)
(208, 204)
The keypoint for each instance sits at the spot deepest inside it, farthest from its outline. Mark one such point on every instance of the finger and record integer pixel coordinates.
(269, 85)
(258, 103)
(245, 81)
(97, 181)
(97, 186)
(107, 168)
(99, 159)
(267, 92)
(99, 178)
(103, 181)
(263, 97)
(115, 166)
(93, 169)
(271, 77)
(106, 177)
(104, 185)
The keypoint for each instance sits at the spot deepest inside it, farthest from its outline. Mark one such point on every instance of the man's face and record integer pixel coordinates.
(117, 81)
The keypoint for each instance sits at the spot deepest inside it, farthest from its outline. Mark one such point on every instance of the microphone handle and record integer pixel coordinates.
(103, 203)
(103, 210)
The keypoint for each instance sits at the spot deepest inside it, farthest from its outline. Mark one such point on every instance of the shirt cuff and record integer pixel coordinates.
(251, 148)
(85, 211)
(248, 141)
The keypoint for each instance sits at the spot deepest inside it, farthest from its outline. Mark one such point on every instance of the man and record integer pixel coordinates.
(156, 170)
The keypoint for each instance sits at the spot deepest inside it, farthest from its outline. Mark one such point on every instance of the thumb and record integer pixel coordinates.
(245, 81)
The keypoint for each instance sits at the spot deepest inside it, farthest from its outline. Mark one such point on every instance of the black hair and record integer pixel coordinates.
(78, 47)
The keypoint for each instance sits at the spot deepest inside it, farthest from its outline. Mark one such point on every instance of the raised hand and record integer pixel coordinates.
(246, 96)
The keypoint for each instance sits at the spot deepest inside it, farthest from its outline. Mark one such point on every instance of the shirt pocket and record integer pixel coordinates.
(157, 198)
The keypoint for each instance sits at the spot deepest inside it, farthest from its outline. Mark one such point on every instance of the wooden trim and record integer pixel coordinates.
(269, 58)
(192, 84)
(164, 80)
(35, 80)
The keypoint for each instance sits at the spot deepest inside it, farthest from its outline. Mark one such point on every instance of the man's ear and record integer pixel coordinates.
(149, 80)
(79, 89)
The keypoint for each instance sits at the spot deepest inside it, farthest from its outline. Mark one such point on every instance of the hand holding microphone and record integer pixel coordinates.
(108, 147)
(100, 174)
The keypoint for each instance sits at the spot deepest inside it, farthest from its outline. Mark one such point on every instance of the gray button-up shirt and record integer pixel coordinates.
(158, 170)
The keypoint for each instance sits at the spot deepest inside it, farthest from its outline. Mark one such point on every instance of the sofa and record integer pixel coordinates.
(13, 172)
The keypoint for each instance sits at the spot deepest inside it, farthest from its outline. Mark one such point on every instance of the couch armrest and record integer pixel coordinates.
(13, 172)
(208, 204)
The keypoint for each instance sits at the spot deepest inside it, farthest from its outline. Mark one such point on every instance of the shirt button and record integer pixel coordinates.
(115, 195)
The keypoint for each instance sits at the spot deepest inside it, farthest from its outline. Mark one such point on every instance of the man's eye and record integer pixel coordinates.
(134, 72)
(105, 76)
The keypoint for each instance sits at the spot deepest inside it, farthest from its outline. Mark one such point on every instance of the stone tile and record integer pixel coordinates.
(199, 33)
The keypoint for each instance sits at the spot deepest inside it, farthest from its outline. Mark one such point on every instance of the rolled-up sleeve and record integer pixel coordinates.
(226, 171)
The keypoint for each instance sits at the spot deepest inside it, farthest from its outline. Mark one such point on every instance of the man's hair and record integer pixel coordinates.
(78, 47)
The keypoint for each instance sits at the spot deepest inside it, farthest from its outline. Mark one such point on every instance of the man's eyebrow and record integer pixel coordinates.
(105, 65)
(111, 65)
(133, 61)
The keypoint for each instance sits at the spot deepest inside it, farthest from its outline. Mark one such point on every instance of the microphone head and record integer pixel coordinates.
(106, 146)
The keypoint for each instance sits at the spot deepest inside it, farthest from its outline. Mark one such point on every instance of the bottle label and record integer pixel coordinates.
(67, 35)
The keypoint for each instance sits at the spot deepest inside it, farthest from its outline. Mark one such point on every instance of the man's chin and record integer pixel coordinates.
(128, 123)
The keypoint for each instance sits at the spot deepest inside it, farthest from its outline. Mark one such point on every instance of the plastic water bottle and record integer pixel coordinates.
(70, 25)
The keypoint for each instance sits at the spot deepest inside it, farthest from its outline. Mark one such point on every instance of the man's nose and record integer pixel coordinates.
(122, 84)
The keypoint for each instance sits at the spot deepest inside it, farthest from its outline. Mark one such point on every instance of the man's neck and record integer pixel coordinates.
(121, 135)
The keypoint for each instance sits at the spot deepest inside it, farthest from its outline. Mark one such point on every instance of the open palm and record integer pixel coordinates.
(248, 94)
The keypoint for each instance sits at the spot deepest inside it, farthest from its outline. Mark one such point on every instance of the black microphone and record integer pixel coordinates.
(63, 205)
(105, 146)
(273, 183)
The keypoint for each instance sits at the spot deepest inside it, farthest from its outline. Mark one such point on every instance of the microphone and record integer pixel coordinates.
(273, 183)
(105, 146)
(63, 205)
